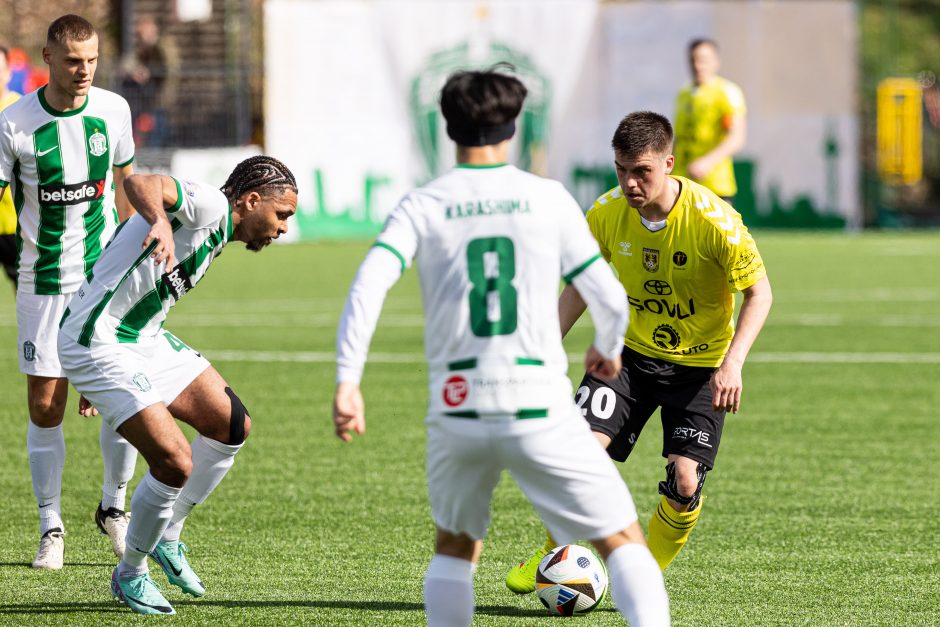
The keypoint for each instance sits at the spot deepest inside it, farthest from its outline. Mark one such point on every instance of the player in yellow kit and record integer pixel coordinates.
(710, 123)
(680, 252)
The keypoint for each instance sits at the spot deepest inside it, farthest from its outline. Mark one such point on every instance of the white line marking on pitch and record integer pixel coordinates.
(418, 358)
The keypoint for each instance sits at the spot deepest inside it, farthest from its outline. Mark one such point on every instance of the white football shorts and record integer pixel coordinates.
(557, 462)
(122, 379)
(37, 330)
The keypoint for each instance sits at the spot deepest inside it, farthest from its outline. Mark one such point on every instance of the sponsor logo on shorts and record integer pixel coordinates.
(141, 381)
(29, 351)
(651, 259)
(58, 194)
(455, 391)
(178, 282)
(679, 258)
(658, 287)
(688, 433)
(666, 337)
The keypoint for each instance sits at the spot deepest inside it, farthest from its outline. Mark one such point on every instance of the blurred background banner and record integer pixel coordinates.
(351, 93)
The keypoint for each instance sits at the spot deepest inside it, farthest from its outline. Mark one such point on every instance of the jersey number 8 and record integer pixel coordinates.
(491, 265)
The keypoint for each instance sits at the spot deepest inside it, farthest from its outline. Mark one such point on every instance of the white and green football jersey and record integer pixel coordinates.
(127, 297)
(58, 168)
(492, 244)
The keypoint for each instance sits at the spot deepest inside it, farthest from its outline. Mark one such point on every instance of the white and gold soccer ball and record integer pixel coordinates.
(571, 580)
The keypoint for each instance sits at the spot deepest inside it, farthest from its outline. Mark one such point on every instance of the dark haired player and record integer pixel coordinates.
(492, 244)
(65, 151)
(115, 352)
(680, 252)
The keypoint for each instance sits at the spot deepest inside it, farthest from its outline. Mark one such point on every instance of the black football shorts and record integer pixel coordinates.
(621, 408)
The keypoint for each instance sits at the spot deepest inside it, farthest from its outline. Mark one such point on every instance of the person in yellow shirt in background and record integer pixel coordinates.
(7, 211)
(681, 252)
(710, 123)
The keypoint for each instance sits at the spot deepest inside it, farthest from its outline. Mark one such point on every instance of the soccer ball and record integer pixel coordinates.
(571, 580)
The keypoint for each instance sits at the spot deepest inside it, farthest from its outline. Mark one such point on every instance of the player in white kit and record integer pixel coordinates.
(63, 150)
(492, 244)
(113, 347)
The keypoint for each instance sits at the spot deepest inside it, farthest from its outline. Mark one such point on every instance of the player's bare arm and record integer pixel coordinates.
(570, 308)
(595, 364)
(150, 194)
(348, 411)
(123, 205)
(732, 144)
(726, 382)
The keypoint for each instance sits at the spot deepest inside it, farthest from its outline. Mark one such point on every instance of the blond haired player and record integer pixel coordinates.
(710, 123)
(64, 149)
(680, 252)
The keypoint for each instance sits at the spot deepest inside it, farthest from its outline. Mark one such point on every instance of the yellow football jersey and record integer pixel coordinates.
(703, 117)
(7, 212)
(679, 280)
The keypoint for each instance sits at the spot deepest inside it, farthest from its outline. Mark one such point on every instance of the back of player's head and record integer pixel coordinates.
(69, 28)
(641, 132)
(262, 174)
(481, 106)
(702, 41)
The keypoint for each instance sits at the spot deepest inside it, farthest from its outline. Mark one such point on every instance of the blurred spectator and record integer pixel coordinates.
(7, 212)
(24, 78)
(710, 124)
(149, 82)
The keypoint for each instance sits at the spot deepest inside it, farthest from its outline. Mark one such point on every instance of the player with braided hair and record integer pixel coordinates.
(116, 353)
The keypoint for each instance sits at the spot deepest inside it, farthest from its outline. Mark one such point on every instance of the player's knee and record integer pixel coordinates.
(174, 466)
(687, 484)
(239, 420)
(46, 411)
(684, 486)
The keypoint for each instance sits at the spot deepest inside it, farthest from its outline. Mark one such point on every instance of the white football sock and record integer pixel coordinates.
(211, 461)
(152, 506)
(448, 591)
(120, 458)
(46, 451)
(636, 585)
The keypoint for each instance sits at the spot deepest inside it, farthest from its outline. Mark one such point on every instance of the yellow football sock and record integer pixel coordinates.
(669, 530)
(549, 541)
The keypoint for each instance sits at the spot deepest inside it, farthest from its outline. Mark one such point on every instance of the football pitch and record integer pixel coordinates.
(822, 510)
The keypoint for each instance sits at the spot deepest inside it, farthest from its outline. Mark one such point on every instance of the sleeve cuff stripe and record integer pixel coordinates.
(571, 275)
(392, 250)
(3, 184)
(125, 164)
(179, 198)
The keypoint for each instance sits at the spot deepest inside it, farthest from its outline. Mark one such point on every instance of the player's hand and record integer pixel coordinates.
(595, 364)
(162, 233)
(726, 385)
(85, 408)
(699, 168)
(348, 411)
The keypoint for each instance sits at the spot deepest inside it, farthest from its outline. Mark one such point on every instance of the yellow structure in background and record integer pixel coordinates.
(900, 131)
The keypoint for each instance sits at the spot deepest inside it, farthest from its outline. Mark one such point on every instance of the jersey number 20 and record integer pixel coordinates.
(491, 264)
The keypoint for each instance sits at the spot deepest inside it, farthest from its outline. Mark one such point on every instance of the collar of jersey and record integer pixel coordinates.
(676, 208)
(480, 166)
(55, 112)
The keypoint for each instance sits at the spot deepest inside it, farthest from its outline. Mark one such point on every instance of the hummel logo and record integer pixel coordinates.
(625, 249)
(43, 153)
